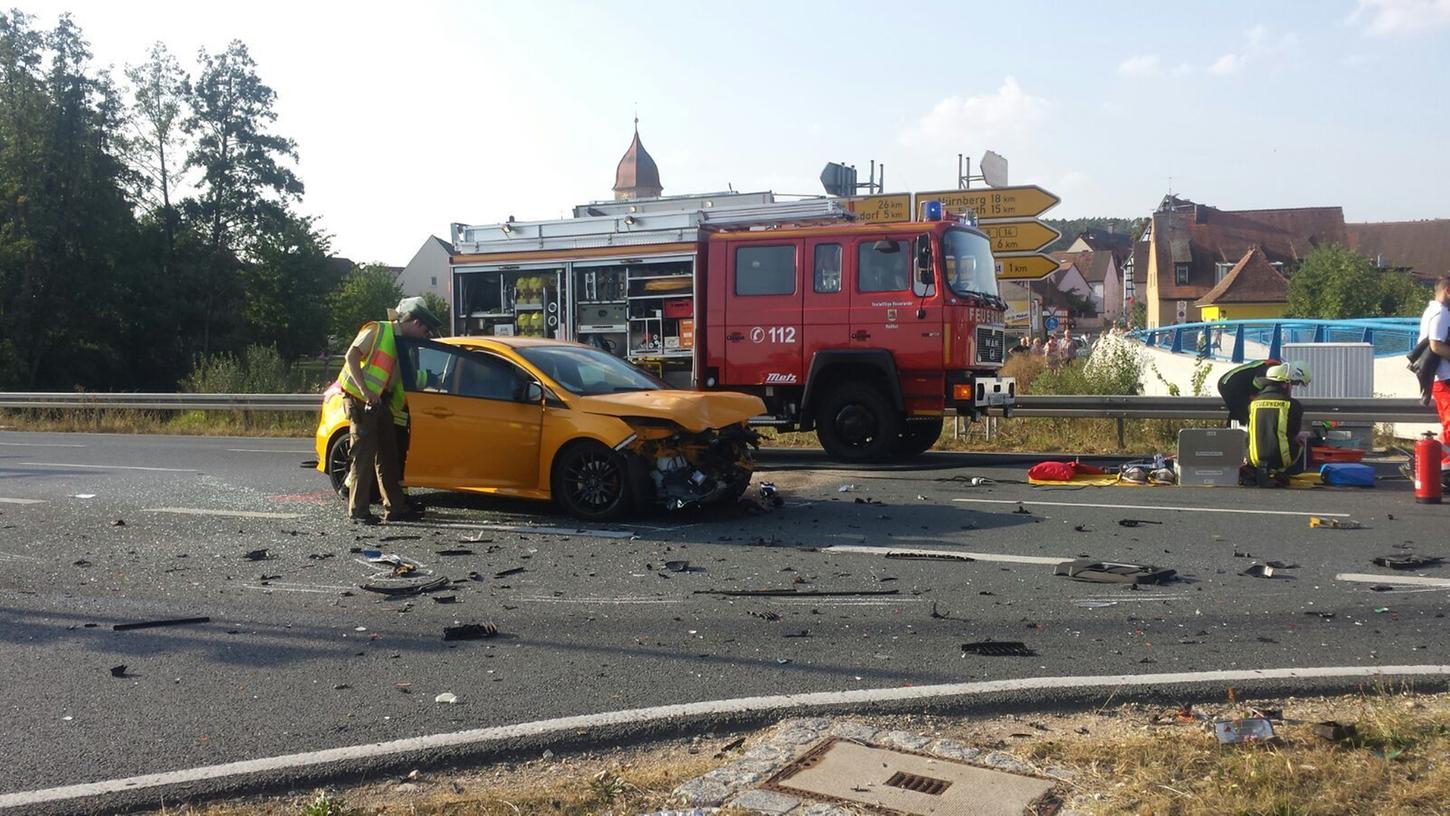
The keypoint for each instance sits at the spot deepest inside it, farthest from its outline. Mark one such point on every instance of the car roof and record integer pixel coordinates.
(495, 341)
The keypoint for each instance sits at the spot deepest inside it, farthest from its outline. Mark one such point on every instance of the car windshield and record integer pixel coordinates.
(589, 372)
(967, 261)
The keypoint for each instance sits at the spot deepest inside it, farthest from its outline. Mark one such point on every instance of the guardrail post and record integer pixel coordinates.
(1122, 435)
(1276, 342)
(1177, 347)
(1238, 355)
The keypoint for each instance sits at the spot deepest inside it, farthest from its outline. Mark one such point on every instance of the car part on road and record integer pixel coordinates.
(1247, 731)
(510, 571)
(454, 551)
(119, 671)
(402, 590)
(1131, 522)
(926, 556)
(257, 555)
(1108, 572)
(151, 624)
(470, 631)
(795, 593)
(1334, 523)
(445, 599)
(677, 566)
(1259, 571)
(1408, 562)
(998, 648)
(446, 698)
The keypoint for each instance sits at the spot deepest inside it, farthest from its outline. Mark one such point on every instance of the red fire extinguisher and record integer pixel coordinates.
(1428, 453)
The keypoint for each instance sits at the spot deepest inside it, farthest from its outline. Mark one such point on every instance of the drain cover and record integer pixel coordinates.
(901, 782)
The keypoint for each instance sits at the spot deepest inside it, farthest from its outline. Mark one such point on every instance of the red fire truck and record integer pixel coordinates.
(868, 334)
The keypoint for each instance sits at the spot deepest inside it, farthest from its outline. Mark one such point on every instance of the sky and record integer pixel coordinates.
(411, 116)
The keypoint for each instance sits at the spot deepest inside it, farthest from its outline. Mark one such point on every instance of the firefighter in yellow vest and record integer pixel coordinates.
(375, 396)
(1276, 442)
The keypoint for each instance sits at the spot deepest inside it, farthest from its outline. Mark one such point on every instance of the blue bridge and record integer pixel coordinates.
(1239, 340)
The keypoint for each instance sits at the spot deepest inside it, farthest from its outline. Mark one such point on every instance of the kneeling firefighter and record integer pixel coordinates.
(1276, 441)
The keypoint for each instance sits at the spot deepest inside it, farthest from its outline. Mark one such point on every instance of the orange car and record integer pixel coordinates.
(546, 419)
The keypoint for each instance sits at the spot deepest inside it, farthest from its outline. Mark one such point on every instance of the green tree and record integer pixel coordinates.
(367, 293)
(245, 184)
(438, 306)
(157, 87)
(1334, 283)
(287, 282)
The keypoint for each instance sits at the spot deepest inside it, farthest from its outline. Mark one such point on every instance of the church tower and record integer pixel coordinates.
(637, 175)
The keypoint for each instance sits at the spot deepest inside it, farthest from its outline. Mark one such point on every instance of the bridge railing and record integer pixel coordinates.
(1233, 339)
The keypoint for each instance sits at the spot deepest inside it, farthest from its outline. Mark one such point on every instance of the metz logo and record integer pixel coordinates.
(779, 379)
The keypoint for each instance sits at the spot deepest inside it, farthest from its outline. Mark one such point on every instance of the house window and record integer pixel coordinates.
(1279, 265)
(767, 270)
(433, 280)
(1180, 273)
(1220, 270)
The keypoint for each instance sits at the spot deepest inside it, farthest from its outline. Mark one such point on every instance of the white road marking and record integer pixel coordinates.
(1131, 599)
(40, 445)
(22, 501)
(107, 467)
(285, 586)
(19, 557)
(975, 556)
(1156, 507)
(267, 450)
(199, 511)
(505, 734)
(598, 601)
(1392, 580)
(519, 528)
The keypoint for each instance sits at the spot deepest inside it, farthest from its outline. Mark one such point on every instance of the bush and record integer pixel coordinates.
(259, 370)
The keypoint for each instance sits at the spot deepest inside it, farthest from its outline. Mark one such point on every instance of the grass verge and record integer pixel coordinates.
(1126, 759)
(186, 423)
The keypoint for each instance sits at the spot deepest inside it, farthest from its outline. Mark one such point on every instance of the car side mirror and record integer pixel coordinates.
(533, 392)
(923, 260)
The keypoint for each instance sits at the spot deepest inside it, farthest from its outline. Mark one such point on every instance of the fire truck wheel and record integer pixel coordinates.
(857, 424)
(918, 436)
(591, 482)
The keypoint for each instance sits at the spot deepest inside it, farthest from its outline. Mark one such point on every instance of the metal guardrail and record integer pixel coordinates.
(1070, 406)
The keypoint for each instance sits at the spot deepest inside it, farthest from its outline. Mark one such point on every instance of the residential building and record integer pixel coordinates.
(1192, 247)
(1252, 288)
(1419, 247)
(429, 271)
(1099, 270)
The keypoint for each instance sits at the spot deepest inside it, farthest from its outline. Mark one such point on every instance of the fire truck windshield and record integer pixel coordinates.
(967, 262)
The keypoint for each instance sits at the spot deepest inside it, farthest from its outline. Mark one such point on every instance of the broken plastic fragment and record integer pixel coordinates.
(1248, 730)
(1108, 572)
(446, 697)
(1334, 523)
(470, 631)
(998, 648)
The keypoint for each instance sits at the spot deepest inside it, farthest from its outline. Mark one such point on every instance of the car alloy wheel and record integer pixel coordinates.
(594, 481)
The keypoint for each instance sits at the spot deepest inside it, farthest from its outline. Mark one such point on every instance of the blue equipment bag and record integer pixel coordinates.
(1347, 474)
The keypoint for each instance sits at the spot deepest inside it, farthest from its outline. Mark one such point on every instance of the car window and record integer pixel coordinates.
(768, 270)
(437, 368)
(828, 268)
(883, 266)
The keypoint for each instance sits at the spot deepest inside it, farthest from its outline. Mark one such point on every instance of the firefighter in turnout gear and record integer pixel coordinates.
(1276, 442)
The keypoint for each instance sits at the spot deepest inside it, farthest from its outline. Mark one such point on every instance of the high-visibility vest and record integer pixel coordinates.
(377, 367)
(1269, 433)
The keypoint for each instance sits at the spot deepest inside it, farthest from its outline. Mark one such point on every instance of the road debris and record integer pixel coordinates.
(1132, 522)
(454, 551)
(677, 566)
(766, 616)
(151, 624)
(1246, 731)
(845, 488)
(1108, 572)
(404, 589)
(1408, 562)
(118, 523)
(998, 648)
(1259, 571)
(919, 555)
(1334, 523)
(1335, 731)
(510, 571)
(119, 671)
(446, 698)
(470, 631)
(445, 598)
(1022, 511)
(771, 495)
(257, 555)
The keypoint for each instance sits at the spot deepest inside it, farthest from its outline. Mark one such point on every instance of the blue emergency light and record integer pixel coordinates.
(933, 211)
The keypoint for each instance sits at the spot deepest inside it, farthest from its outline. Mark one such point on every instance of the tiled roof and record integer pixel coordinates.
(1204, 237)
(1093, 264)
(1422, 247)
(636, 169)
(1252, 280)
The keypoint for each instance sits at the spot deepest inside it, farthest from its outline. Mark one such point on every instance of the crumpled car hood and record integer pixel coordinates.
(694, 410)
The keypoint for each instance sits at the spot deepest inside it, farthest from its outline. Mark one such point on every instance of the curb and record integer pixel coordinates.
(376, 761)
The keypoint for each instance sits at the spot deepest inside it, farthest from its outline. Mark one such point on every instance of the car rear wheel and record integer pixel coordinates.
(591, 481)
(918, 437)
(856, 424)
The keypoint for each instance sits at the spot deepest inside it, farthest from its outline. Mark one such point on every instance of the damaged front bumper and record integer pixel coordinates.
(677, 468)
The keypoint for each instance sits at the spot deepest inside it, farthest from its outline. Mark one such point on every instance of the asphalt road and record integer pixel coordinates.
(298, 657)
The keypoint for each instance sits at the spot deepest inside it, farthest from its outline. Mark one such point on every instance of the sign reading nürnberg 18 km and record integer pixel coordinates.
(1027, 201)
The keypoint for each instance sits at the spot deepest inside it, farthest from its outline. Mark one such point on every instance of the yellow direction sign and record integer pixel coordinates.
(879, 209)
(1019, 236)
(992, 202)
(1024, 266)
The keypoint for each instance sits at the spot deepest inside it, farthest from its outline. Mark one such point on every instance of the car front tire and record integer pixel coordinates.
(592, 482)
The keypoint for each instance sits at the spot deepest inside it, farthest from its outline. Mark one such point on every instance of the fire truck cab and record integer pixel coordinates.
(867, 334)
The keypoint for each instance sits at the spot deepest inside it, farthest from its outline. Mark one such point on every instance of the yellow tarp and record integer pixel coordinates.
(1303, 480)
